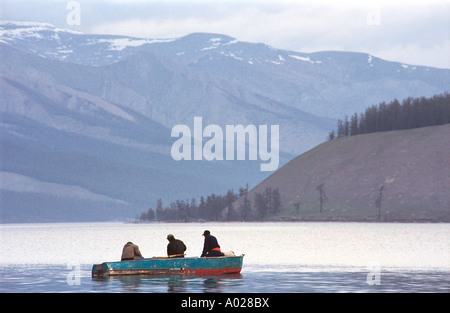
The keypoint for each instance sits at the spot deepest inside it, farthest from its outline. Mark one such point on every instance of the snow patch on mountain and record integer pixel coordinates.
(304, 59)
(217, 42)
(12, 29)
(232, 55)
(119, 44)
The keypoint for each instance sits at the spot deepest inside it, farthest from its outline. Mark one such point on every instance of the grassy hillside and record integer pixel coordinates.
(401, 175)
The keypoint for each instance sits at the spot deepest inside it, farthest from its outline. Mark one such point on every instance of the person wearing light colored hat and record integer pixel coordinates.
(175, 248)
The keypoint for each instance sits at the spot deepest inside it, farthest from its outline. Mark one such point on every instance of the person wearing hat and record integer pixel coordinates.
(211, 247)
(175, 248)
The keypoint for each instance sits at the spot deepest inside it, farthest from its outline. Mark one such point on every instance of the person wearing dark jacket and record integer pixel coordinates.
(211, 247)
(175, 247)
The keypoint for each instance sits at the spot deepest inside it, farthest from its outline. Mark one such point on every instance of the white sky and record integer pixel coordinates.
(413, 32)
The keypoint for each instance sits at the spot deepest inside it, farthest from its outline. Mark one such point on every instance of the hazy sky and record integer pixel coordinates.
(413, 32)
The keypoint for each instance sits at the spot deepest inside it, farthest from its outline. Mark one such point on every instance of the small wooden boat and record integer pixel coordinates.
(171, 266)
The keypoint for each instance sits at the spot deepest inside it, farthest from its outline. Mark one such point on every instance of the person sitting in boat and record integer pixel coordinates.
(131, 252)
(175, 248)
(211, 247)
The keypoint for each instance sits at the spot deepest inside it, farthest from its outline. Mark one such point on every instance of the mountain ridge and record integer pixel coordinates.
(64, 93)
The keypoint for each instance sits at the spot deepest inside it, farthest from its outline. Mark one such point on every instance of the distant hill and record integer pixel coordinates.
(411, 169)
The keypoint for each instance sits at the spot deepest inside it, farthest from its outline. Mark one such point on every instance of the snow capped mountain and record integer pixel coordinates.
(49, 41)
(72, 46)
(67, 45)
(94, 113)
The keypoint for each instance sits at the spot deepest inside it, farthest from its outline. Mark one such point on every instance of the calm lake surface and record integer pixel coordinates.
(279, 257)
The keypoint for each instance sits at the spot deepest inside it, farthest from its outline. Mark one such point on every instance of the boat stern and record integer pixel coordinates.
(99, 270)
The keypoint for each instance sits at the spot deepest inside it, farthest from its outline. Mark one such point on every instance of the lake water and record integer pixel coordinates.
(279, 257)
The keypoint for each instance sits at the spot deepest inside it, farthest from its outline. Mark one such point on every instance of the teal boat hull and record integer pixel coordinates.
(171, 266)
